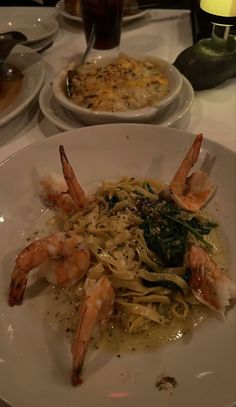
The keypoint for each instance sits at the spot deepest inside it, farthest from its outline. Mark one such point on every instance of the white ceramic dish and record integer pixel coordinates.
(64, 119)
(60, 7)
(32, 66)
(136, 16)
(146, 114)
(35, 360)
(35, 26)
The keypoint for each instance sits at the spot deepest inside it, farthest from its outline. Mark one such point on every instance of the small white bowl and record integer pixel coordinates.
(146, 114)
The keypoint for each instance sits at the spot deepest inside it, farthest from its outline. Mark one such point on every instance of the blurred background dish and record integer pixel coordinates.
(64, 119)
(32, 67)
(70, 9)
(31, 23)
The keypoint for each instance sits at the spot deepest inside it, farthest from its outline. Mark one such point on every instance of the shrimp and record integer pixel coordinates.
(208, 283)
(67, 194)
(66, 260)
(97, 307)
(193, 192)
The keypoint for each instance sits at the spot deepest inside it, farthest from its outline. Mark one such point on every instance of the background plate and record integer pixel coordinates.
(66, 120)
(60, 7)
(35, 360)
(32, 66)
(31, 23)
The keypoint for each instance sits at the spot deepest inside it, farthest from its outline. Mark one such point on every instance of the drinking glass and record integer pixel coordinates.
(102, 20)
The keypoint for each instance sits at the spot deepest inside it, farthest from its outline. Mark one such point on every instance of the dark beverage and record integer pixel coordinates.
(105, 17)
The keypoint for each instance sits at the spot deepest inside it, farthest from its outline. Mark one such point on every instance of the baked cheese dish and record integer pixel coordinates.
(123, 85)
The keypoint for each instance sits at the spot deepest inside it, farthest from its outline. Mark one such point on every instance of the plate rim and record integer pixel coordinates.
(67, 133)
(49, 20)
(166, 123)
(20, 108)
(52, 141)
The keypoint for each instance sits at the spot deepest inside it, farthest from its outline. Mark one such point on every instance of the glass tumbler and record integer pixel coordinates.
(102, 20)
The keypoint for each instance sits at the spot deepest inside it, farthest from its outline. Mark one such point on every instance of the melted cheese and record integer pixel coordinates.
(126, 84)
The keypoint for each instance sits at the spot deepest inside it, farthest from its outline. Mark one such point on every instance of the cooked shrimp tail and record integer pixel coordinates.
(74, 188)
(209, 284)
(17, 287)
(191, 193)
(65, 257)
(188, 162)
(60, 193)
(97, 307)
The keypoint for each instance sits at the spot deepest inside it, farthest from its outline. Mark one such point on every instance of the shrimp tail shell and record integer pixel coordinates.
(17, 288)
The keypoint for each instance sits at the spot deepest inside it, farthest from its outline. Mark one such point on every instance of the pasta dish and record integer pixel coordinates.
(138, 240)
(138, 253)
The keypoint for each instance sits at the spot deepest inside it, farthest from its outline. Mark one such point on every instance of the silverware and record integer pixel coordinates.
(14, 35)
(72, 72)
(9, 72)
(4, 403)
(8, 40)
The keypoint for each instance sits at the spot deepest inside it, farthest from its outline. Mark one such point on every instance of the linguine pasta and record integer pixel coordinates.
(149, 288)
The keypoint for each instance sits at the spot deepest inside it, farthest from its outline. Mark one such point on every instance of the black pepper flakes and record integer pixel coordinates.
(166, 383)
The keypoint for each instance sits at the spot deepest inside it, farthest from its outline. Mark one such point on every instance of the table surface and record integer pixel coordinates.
(164, 33)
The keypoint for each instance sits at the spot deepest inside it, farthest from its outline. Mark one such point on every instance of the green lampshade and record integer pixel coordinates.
(222, 8)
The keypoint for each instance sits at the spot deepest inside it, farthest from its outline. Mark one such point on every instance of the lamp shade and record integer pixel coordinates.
(221, 8)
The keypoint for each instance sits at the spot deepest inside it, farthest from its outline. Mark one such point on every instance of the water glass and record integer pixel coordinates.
(103, 18)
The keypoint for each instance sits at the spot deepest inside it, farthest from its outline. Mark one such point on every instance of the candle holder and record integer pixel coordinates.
(211, 61)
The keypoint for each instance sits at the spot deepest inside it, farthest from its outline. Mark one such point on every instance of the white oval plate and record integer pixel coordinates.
(60, 7)
(31, 23)
(66, 120)
(35, 360)
(32, 66)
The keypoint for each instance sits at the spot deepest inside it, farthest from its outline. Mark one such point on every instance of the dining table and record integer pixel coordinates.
(160, 32)
(163, 33)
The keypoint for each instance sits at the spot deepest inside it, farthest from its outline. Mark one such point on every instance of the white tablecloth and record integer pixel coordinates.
(164, 33)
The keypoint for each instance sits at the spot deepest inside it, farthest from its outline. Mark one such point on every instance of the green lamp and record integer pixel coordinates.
(211, 61)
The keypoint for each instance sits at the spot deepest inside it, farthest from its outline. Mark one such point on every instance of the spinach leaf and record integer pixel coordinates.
(163, 236)
(112, 201)
(203, 227)
(191, 229)
(148, 187)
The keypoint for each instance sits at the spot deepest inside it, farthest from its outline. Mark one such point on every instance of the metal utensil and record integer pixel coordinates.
(72, 72)
(4, 403)
(17, 35)
(8, 40)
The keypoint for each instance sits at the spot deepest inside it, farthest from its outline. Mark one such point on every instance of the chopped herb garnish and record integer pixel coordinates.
(148, 187)
(203, 227)
(112, 201)
(191, 229)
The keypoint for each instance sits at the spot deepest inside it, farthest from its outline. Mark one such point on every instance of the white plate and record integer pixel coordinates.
(32, 66)
(139, 14)
(66, 120)
(35, 26)
(60, 7)
(35, 360)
